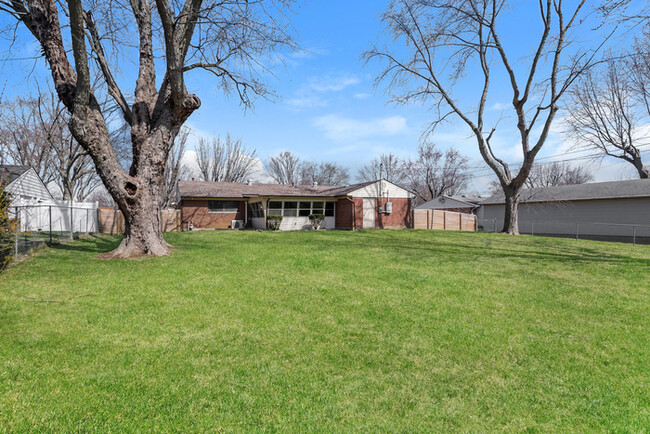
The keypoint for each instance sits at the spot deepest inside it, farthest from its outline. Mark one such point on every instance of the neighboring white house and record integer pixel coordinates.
(23, 185)
(36, 209)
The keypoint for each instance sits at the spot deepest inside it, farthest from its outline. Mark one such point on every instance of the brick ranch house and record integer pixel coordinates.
(220, 205)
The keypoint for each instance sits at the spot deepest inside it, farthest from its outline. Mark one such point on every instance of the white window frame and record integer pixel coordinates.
(311, 207)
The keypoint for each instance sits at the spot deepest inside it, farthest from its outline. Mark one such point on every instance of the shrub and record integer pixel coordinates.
(7, 229)
(316, 220)
(273, 222)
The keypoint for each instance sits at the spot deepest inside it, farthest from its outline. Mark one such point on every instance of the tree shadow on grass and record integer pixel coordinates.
(91, 244)
(462, 249)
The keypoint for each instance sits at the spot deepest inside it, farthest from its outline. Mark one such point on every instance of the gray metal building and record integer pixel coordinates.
(617, 210)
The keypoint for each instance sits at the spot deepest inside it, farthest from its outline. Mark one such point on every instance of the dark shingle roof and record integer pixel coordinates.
(464, 201)
(599, 190)
(9, 174)
(243, 190)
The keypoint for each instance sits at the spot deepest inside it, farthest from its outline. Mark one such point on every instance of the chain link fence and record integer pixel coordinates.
(625, 233)
(51, 224)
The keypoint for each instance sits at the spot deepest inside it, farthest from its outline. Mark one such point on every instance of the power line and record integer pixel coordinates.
(488, 170)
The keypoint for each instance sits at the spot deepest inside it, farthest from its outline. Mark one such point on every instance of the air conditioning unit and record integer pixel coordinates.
(237, 224)
(389, 207)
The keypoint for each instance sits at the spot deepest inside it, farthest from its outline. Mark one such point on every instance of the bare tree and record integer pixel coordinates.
(606, 110)
(36, 134)
(228, 39)
(102, 197)
(557, 173)
(224, 160)
(436, 172)
(24, 132)
(175, 169)
(284, 168)
(327, 173)
(442, 38)
(388, 166)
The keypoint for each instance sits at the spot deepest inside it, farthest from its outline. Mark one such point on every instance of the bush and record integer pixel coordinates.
(7, 229)
(316, 220)
(273, 222)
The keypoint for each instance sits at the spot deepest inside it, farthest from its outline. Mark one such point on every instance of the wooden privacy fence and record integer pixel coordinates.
(111, 221)
(443, 220)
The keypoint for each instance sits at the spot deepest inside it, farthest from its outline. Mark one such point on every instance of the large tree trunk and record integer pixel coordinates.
(139, 200)
(142, 228)
(511, 217)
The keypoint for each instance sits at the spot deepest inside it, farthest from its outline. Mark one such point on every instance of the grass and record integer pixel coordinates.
(335, 331)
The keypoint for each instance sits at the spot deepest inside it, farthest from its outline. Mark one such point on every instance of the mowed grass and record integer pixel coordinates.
(333, 331)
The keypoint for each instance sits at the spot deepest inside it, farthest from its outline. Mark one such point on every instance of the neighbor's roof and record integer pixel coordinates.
(243, 190)
(463, 201)
(600, 190)
(467, 198)
(9, 174)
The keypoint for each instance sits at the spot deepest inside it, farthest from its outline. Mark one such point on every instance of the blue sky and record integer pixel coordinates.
(327, 107)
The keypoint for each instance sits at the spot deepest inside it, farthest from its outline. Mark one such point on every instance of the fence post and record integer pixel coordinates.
(577, 230)
(50, 207)
(16, 230)
(71, 221)
(494, 225)
(532, 228)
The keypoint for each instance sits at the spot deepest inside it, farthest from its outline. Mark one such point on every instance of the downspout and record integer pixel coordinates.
(354, 213)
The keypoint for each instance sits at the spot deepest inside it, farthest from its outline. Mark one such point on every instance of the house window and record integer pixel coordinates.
(275, 208)
(305, 209)
(301, 208)
(290, 209)
(223, 206)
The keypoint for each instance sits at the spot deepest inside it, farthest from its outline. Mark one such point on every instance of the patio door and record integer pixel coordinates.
(369, 213)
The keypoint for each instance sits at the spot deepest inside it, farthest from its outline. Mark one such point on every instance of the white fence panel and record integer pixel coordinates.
(57, 216)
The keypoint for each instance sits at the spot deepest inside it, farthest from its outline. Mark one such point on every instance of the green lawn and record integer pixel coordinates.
(334, 331)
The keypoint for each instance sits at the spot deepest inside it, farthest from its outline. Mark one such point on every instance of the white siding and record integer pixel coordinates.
(380, 189)
(28, 187)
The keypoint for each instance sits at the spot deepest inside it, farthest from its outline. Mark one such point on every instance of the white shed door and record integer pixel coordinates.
(368, 213)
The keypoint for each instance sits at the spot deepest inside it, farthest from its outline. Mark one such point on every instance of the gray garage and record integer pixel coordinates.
(616, 211)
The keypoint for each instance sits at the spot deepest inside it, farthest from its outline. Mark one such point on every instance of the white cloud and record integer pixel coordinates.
(341, 129)
(334, 83)
(362, 95)
(499, 106)
(310, 94)
(302, 102)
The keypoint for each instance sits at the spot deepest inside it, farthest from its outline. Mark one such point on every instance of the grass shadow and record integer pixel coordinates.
(92, 243)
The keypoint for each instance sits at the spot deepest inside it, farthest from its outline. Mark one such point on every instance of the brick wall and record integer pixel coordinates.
(401, 217)
(197, 212)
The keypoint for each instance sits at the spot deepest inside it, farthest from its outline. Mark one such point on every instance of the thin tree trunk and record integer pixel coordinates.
(638, 165)
(511, 218)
